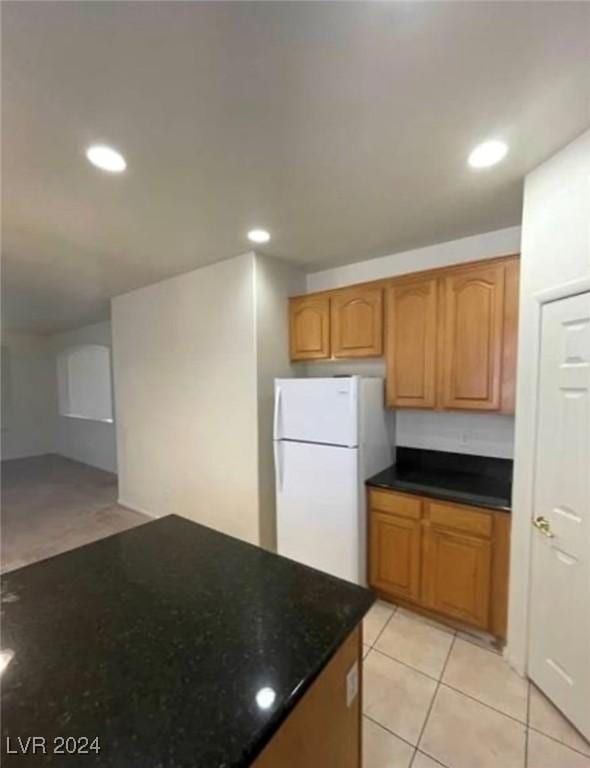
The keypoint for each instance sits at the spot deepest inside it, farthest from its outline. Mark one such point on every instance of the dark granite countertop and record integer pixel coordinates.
(174, 644)
(480, 481)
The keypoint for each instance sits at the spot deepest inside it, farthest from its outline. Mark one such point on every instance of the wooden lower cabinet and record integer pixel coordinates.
(395, 554)
(456, 575)
(450, 559)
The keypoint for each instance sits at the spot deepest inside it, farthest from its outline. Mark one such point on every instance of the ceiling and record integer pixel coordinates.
(343, 128)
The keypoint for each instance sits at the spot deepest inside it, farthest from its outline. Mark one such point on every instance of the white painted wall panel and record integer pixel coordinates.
(556, 257)
(480, 434)
(485, 246)
(29, 402)
(274, 282)
(88, 441)
(185, 373)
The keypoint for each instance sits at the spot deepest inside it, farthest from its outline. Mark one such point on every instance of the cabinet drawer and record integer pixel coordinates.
(461, 518)
(396, 503)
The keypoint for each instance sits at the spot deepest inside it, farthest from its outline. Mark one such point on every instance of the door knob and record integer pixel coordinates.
(542, 524)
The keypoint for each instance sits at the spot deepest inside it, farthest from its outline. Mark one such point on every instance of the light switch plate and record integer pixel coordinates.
(352, 684)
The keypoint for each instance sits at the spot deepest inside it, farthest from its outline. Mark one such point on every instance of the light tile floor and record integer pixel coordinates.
(434, 697)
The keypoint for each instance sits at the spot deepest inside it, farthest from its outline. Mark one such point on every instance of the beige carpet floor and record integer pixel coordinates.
(51, 504)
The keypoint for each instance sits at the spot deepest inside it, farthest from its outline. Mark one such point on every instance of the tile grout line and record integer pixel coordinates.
(548, 735)
(406, 665)
(436, 690)
(373, 647)
(434, 759)
(405, 741)
(393, 733)
(511, 717)
(440, 682)
(484, 704)
(394, 611)
(558, 741)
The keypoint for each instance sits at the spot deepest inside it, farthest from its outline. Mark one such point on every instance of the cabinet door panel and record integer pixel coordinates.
(500, 571)
(472, 343)
(395, 554)
(411, 344)
(309, 327)
(357, 322)
(457, 575)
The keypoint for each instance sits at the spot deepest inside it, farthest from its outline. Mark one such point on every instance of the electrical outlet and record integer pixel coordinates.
(352, 684)
(466, 438)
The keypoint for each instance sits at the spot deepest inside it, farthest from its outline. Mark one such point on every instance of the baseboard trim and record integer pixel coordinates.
(134, 508)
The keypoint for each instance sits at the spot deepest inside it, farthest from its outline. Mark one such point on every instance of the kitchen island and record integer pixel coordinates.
(174, 645)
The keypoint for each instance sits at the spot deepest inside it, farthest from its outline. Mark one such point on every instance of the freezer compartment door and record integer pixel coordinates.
(317, 410)
(318, 507)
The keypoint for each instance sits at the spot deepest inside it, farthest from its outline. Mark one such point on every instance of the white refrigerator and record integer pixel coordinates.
(330, 434)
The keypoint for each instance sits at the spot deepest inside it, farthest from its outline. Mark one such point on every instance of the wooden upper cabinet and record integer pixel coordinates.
(309, 318)
(510, 334)
(472, 341)
(450, 333)
(357, 322)
(411, 344)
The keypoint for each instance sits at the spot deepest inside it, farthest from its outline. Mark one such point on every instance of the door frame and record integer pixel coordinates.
(527, 399)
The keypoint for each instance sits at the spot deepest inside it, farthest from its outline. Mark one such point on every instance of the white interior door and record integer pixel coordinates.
(559, 644)
(317, 507)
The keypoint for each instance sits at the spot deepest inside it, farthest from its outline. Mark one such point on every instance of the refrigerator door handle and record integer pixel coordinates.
(277, 413)
(278, 465)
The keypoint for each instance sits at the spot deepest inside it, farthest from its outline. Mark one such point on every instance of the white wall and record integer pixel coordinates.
(29, 400)
(499, 243)
(274, 282)
(482, 434)
(555, 262)
(184, 355)
(194, 362)
(91, 442)
(474, 433)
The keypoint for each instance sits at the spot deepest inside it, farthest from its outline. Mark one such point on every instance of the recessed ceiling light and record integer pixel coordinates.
(488, 153)
(258, 236)
(106, 158)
